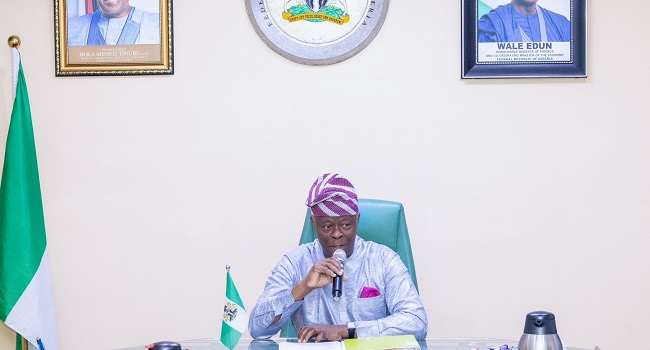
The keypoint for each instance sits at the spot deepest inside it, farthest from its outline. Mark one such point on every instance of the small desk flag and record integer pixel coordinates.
(26, 303)
(235, 317)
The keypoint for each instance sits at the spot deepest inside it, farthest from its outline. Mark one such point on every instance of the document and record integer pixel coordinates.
(401, 342)
(382, 343)
(323, 345)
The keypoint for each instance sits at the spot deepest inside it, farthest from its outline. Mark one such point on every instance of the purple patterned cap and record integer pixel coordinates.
(332, 195)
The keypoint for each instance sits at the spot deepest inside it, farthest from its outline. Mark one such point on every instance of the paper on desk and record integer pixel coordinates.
(324, 345)
(401, 342)
(383, 343)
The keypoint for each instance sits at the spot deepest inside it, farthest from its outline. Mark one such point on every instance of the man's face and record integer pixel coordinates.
(337, 232)
(115, 8)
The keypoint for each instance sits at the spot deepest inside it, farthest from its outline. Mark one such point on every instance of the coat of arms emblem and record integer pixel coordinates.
(334, 11)
(229, 312)
(317, 31)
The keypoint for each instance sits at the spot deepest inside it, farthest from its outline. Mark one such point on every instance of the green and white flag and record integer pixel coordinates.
(235, 317)
(26, 304)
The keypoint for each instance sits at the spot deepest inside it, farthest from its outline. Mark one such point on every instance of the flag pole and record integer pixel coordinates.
(14, 43)
(37, 292)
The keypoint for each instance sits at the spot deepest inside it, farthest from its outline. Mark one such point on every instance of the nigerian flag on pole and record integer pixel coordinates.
(26, 304)
(235, 318)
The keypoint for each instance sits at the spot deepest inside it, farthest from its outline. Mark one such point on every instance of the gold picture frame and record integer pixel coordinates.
(85, 47)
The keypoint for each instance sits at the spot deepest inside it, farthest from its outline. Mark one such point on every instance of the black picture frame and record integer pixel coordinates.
(152, 58)
(477, 65)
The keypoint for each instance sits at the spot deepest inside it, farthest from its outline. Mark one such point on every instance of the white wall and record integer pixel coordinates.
(520, 194)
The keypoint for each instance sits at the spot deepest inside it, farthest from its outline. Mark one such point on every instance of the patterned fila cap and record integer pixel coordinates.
(332, 195)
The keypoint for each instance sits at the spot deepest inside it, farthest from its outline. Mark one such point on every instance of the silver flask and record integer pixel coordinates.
(540, 332)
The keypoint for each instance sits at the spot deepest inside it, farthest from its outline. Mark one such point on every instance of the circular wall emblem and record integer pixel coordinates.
(317, 32)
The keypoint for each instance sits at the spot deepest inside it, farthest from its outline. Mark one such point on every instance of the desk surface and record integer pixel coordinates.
(429, 344)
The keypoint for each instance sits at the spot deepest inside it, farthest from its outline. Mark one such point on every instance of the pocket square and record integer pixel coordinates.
(369, 292)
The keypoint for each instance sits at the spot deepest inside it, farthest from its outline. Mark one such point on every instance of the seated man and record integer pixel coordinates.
(378, 297)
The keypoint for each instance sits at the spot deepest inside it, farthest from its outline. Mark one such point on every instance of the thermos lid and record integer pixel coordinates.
(540, 322)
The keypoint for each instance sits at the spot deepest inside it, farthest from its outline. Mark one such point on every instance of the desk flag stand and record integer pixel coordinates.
(235, 317)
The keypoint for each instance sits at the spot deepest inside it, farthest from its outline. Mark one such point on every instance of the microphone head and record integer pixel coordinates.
(340, 255)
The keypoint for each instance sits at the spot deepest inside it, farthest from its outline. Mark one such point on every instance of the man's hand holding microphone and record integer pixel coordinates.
(324, 272)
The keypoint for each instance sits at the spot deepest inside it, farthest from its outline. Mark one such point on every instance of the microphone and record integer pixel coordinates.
(337, 282)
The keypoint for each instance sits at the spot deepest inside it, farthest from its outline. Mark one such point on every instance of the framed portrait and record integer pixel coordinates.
(524, 39)
(113, 37)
